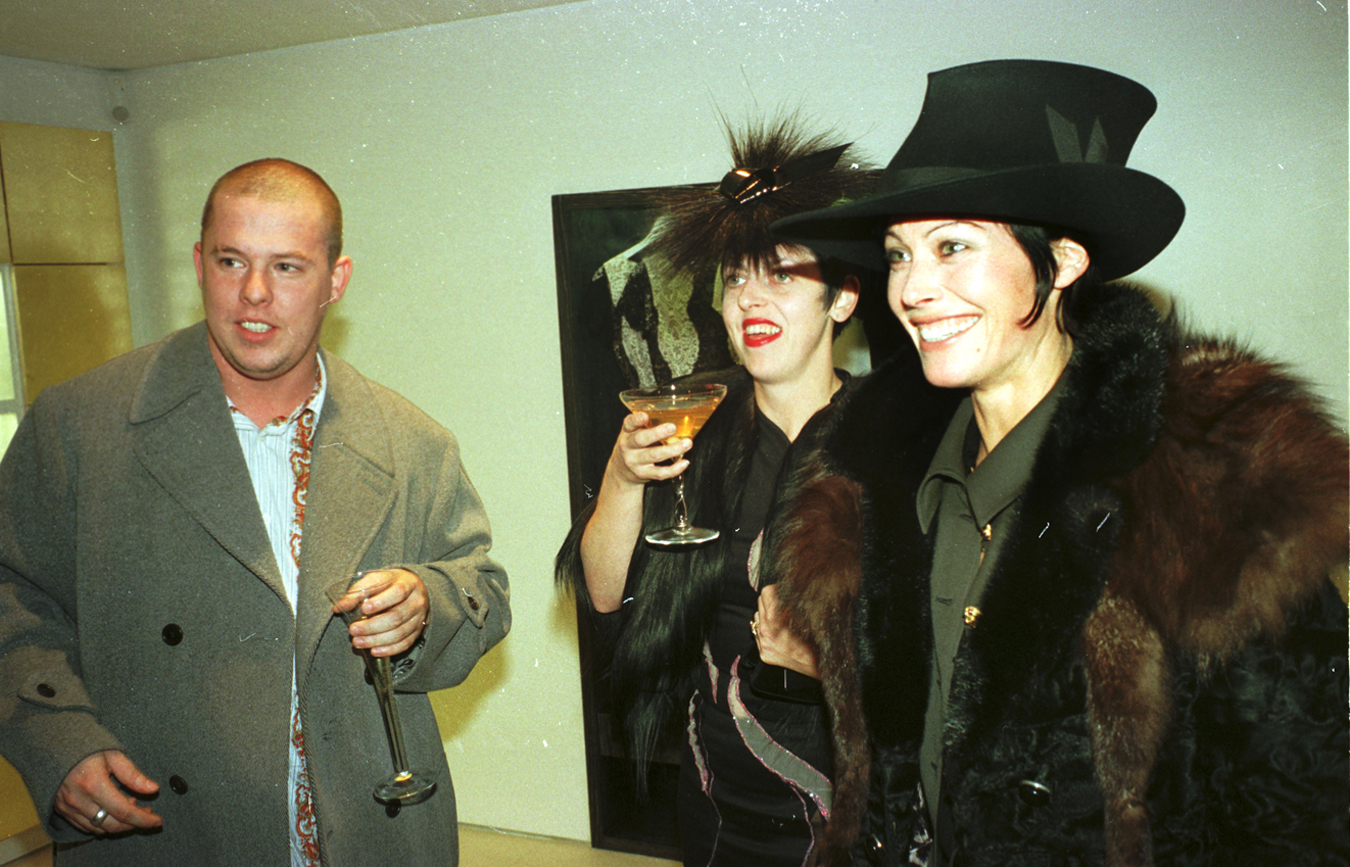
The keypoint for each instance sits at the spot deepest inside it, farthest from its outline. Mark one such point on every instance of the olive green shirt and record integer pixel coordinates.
(968, 510)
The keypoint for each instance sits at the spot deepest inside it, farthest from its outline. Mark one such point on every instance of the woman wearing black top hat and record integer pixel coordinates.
(690, 625)
(1065, 568)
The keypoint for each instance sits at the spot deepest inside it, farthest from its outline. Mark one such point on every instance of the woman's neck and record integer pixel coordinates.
(999, 408)
(790, 405)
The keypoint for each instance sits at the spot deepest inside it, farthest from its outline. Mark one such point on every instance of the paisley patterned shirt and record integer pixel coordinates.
(278, 459)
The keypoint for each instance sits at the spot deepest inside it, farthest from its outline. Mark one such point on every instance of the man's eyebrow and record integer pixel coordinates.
(288, 254)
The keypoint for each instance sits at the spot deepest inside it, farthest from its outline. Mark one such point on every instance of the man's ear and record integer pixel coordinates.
(342, 272)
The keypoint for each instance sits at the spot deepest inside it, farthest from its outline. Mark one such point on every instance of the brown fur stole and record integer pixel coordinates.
(1237, 515)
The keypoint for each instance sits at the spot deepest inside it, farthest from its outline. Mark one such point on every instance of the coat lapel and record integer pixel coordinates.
(183, 436)
(351, 491)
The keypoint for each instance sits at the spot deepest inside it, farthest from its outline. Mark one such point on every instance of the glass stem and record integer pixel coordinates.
(681, 510)
(383, 676)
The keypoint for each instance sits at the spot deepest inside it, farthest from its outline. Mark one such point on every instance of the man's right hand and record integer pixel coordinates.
(92, 785)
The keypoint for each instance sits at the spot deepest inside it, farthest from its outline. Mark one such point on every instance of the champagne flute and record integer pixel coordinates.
(404, 785)
(687, 407)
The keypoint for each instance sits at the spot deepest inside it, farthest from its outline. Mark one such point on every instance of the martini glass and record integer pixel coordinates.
(687, 407)
(403, 786)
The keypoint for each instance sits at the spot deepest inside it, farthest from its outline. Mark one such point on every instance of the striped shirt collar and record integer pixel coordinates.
(282, 425)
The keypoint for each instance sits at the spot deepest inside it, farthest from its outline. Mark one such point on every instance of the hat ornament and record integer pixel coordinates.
(742, 185)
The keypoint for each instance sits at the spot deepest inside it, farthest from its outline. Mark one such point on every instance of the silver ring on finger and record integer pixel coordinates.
(97, 821)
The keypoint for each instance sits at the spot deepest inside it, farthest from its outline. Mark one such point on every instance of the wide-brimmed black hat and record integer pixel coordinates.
(1018, 141)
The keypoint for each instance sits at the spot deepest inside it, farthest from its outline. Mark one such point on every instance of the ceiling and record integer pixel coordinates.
(137, 34)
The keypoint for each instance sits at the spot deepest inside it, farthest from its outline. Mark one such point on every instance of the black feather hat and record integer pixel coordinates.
(779, 170)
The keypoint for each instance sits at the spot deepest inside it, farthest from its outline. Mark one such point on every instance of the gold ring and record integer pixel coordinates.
(97, 820)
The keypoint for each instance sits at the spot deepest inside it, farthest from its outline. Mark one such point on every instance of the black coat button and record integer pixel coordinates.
(473, 603)
(46, 691)
(1033, 793)
(178, 784)
(173, 633)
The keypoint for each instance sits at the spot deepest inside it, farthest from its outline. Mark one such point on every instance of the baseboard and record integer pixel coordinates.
(23, 843)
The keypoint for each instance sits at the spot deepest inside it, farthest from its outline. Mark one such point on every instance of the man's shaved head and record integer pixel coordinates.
(278, 180)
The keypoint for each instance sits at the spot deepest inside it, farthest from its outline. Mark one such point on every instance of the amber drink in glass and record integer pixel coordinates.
(687, 407)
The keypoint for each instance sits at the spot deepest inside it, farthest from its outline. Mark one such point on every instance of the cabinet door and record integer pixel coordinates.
(17, 814)
(60, 194)
(71, 318)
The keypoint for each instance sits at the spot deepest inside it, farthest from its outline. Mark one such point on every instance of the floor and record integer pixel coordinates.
(487, 847)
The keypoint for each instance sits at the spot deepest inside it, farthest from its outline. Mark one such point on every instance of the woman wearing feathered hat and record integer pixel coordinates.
(1082, 553)
(755, 776)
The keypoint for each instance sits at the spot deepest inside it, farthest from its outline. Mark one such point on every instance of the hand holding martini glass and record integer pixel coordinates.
(404, 785)
(687, 407)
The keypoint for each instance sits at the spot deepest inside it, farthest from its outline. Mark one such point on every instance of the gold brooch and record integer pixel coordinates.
(971, 615)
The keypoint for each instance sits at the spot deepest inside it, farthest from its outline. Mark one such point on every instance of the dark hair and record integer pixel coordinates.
(834, 273)
(1036, 241)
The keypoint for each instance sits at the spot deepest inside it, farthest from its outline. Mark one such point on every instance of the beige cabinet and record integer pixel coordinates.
(65, 242)
(20, 830)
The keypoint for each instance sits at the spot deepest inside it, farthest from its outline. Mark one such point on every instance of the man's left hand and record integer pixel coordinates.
(396, 611)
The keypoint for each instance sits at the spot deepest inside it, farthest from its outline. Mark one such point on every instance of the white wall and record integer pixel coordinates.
(53, 94)
(445, 144)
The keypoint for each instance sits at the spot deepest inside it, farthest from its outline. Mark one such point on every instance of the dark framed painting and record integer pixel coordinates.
(625, 321)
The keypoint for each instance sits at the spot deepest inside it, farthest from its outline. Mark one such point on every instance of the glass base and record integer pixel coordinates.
(679, 537)
(409, 787)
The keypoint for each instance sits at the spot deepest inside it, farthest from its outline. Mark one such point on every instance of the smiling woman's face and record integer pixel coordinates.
(962, 290)
(776, 315)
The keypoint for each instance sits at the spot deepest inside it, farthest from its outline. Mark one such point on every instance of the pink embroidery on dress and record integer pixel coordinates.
(711, 666)
(705, 776)
(752, 563)
(776, 758)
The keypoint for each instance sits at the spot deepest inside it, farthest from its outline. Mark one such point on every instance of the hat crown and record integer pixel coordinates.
(1009, 114)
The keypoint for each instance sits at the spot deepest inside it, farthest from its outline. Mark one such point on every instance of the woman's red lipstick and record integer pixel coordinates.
(757, 332)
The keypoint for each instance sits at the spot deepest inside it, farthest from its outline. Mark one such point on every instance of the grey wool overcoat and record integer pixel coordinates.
(141, 609)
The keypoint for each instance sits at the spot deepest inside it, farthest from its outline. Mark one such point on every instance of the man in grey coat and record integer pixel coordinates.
(174, 685)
